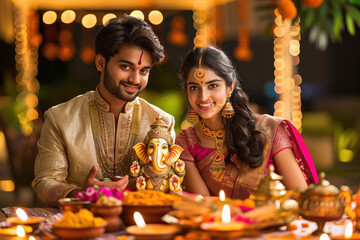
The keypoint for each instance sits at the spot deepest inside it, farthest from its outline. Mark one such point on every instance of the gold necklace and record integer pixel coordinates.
(218, 162)
(219, 135)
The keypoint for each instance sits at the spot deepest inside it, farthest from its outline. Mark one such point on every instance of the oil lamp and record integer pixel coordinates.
(348, 234)
(23, 219)
(143, 231)
(12, 233)
(226, 229)
(222, 195)
(324, 236)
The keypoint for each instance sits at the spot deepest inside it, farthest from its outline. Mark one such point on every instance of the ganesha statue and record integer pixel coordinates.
(159, 167)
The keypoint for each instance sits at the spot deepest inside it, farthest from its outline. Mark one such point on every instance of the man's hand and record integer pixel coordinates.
(90, 181)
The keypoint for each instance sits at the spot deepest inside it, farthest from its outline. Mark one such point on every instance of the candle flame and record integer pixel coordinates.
(139, 220)
(324, 236)
(20, 232)
(348, 230)
(32, 238)
(222, 195)
(225, 216)
(21, 214)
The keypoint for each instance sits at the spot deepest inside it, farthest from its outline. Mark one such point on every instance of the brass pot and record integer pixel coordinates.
(271, 191)
(323, 202)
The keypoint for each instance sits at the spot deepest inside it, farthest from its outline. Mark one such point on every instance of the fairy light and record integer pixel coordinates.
(204, 23)
(287, 80)
(138, 14)
(107, 17)
(26, 58)
(156, 17)
(68, 16)
(89, 20)
(49, 17)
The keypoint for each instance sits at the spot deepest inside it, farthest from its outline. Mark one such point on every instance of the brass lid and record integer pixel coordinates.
(322, 188)
(271, 185)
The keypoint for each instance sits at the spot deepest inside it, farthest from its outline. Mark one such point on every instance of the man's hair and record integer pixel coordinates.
(130, 31)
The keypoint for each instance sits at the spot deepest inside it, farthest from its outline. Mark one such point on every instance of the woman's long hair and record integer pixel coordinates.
(242, 138)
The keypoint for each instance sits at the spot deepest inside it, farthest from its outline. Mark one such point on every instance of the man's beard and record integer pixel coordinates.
(119, 92)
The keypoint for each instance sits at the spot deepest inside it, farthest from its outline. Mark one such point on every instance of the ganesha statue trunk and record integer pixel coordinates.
(159, 167)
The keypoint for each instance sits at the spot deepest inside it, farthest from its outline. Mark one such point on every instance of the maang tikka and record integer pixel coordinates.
(200, 72)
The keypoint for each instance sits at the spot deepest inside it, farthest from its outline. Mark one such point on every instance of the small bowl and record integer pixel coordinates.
(150, 213)
(79, 233)
(73, 204)
(106, 211)
(111, 214)
(11, 231)
(229, 230)
(153, 232)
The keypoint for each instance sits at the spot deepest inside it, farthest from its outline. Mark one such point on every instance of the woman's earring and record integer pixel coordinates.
(228, 110)
(192, 116)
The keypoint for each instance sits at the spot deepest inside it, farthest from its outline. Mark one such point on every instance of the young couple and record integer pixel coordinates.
(230, 147)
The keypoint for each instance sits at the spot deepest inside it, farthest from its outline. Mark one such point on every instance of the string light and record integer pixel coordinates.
(107, 17)
(156, 17)
(26, 58)
(137, 13)
(68, 16)
(89, 20)
(204, 23)
(49, 17)
(287, 81)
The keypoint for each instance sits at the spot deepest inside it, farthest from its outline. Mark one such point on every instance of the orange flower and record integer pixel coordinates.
(287, 9)
(312, 3)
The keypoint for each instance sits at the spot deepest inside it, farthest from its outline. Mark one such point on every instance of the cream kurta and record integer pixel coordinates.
(80, 133)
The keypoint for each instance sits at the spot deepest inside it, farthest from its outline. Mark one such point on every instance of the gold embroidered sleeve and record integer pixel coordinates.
(281, 140)
(51, 165)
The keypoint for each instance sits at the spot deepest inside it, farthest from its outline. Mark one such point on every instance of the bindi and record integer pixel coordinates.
(139, 62)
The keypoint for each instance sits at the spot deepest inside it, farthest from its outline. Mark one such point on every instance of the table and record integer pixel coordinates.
(302, 232)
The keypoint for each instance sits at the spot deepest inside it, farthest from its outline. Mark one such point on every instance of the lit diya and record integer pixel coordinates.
(226, 229)
(349, 234)
(143, 231)
(23, 219)
(19, 231)
(324, 236)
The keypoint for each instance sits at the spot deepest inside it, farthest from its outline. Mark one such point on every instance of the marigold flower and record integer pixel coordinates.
(287, 9)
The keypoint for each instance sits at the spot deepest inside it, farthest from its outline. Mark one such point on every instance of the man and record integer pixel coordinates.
(91, 136)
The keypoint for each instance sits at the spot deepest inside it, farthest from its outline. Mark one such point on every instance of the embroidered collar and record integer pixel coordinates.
(105, 106)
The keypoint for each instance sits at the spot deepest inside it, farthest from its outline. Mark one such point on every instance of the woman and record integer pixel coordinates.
(230, 147)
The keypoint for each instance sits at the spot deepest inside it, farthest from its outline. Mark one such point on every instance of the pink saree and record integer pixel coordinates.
(238, 180)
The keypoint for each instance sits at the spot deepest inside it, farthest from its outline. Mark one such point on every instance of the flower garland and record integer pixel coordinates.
(92, 194)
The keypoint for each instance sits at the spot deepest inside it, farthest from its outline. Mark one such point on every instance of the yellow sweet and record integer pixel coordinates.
(108, 201)
(150, 197)
(82, 219)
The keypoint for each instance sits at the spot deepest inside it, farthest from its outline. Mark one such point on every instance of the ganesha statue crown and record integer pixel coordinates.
(159, 167)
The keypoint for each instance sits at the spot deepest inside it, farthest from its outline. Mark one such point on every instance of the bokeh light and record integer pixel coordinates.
(49, 17)
(68, 16)
(107, 17)
(156, 17)
(89, 20)
(138, 14)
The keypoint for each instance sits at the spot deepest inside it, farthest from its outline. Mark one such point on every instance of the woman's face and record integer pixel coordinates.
(208, 96)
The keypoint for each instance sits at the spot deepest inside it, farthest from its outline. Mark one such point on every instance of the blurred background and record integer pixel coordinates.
(297, 59)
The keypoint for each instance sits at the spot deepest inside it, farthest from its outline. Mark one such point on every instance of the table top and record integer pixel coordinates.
(2, 216)
(298, 229)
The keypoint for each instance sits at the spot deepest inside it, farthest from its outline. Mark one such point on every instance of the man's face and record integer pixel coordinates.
(127, 72)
